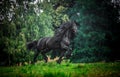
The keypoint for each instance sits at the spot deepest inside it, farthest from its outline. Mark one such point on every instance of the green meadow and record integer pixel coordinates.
(65, 69)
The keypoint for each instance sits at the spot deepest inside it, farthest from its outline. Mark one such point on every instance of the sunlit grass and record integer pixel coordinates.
(52, 69)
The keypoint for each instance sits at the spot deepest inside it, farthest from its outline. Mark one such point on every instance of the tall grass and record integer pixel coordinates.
(64, 69)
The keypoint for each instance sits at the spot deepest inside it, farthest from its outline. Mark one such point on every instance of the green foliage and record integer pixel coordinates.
(59, 16)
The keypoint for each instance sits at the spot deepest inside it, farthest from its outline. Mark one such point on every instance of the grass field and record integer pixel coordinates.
(52, 69)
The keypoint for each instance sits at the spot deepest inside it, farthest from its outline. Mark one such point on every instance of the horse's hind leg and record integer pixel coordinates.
(35, 56)
(45, 57)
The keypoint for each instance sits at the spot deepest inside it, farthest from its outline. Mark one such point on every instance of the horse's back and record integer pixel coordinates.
(42, 43)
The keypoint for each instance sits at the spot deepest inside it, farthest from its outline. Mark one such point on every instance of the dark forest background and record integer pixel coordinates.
(23, 21)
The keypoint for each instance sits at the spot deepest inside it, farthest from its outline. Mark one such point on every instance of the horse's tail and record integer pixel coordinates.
(32, 45)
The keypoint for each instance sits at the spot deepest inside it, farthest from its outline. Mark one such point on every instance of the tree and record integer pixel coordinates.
(24, 22)
(96, 19)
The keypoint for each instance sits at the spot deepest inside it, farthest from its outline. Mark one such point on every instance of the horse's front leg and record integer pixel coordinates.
(68, 53)
(60, 58)
(64, 48)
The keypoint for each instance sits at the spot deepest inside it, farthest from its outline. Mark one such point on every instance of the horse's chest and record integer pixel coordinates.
(66, 41)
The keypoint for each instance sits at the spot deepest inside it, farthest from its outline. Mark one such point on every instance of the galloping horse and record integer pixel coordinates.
(61, 41)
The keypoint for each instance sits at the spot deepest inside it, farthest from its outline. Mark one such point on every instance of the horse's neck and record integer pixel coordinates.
(60, 33)
(62, 29)
(67, 35)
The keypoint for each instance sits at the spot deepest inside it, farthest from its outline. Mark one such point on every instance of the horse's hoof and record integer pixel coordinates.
(33, 62)
(58, 61)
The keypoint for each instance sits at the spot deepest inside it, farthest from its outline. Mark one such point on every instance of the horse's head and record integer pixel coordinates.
(73, 27)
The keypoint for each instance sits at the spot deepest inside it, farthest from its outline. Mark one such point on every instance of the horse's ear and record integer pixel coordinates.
(76, 23)
(55, 27)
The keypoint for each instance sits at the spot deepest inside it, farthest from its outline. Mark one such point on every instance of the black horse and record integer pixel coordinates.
(61, 41)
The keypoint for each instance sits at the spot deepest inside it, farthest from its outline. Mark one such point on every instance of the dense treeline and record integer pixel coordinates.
(98, 32)
(24, 21)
